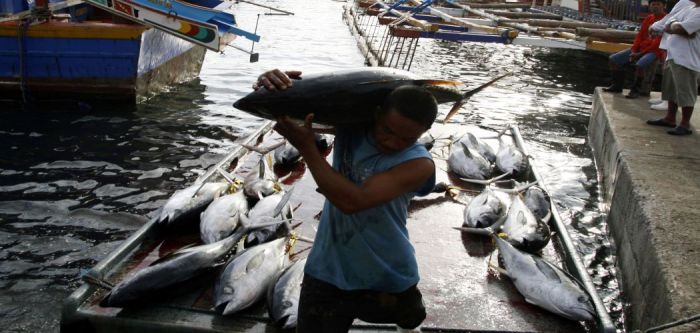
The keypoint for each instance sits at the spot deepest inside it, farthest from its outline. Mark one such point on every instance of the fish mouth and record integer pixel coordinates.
(584, 313)
(240, 104)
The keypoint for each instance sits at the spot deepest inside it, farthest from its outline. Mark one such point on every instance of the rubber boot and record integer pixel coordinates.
(618, 80)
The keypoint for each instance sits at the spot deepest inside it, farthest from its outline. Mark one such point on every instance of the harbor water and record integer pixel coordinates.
(74, 185)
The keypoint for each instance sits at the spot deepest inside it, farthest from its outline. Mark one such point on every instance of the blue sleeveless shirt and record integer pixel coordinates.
(369, 249)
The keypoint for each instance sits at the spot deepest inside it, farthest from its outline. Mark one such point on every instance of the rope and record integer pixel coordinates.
(670, 324)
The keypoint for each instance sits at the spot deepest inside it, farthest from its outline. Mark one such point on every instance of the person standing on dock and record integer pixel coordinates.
(682, 67)
(643, 55)
(362, 264)
(657, 29)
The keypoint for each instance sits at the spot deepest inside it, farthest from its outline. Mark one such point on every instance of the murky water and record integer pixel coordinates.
(72, 186)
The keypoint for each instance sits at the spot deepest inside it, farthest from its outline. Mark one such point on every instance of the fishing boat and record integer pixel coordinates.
(459, 292)
(108, 51)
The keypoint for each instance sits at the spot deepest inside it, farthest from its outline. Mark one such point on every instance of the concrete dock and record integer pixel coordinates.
(651, 182)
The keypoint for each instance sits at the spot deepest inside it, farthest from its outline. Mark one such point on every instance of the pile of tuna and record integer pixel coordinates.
(516, 217)
(255, 212)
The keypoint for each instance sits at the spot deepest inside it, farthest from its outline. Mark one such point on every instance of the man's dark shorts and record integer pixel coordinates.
(325, 308)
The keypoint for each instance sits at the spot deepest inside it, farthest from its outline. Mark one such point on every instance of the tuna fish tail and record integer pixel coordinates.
(467, 95)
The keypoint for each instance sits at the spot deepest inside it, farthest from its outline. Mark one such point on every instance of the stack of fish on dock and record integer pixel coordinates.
(516, 218)
(257, 210)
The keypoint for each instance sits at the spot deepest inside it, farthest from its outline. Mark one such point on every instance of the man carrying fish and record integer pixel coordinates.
(362, 264)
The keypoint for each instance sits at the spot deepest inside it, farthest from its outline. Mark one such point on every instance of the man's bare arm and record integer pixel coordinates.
(343, 193)
(677, 28)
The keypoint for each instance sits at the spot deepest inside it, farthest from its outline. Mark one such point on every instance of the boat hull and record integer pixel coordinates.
(92, 62)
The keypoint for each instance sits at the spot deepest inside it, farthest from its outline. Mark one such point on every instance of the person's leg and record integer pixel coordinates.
(687, 92)
(668, 93)
(405, 309)
(686, 113)
(617, 62)
(322, 308)
(639, 88)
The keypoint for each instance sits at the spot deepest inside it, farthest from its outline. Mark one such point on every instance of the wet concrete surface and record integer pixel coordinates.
(459, 290)
(651, 182)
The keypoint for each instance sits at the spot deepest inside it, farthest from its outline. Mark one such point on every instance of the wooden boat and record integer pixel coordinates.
(459, 292)
(109, 51)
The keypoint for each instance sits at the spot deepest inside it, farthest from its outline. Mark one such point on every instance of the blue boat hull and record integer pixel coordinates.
(92, 62)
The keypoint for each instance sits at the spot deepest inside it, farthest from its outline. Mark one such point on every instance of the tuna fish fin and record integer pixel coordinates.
(294, 256)
(231, 179)
(500, 270)
(283, 202)
(466, 150)
(475, 181)
(264, 150)
(521, 218)
(476, 231)
(547, 270)
(473, 140)
(255, 262)
(453, 111)
(173, 255)
(467, 95)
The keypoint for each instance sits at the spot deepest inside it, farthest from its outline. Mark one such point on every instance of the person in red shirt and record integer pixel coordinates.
(642, 55)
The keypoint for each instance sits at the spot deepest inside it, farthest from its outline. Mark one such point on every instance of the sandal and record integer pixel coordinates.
(680, 131)
(660, 122)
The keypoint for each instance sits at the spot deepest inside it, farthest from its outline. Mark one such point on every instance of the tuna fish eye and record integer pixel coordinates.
(582, 299)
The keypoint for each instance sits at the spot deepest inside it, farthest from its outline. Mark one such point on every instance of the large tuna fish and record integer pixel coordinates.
(261, 181)
(283, 296)
(544, 284)
(523, 229)
(247, 277)
(269, 209)
(222, 216)
(190, 202)
(482, 147)
(468, 163)
(539, 203)
(510, 159)
(346, 97)
(286, 154)
(484, 210)
(179, 267)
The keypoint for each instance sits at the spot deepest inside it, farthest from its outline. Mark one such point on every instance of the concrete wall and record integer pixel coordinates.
(651, 182)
